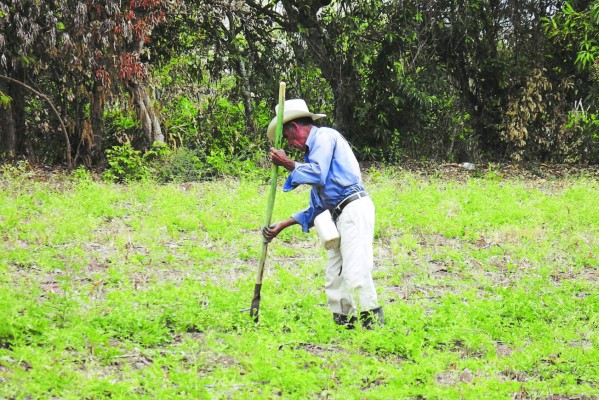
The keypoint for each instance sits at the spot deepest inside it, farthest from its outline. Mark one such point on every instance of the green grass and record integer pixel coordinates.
(490, 289)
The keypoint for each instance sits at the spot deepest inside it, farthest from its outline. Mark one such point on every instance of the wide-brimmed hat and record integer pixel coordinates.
(293, 109)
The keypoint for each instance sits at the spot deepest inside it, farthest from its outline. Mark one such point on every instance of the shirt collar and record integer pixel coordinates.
(311, 138)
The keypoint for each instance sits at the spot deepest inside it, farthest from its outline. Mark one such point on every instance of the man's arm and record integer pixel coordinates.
(272, 231)
(315, 169)
(279, 157)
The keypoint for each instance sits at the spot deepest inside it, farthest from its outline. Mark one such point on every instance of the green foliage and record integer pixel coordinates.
(182, 125)
(19, 171)
(587, 55)
(398, 79)
(81, 175)
(580, 29)
(222, 124)
(157, 152)
(208, 132)
(181, 165)
(121, 125)
(585, 124)
(220, 164)
(126, 164)
(161, 164)
(5, 100)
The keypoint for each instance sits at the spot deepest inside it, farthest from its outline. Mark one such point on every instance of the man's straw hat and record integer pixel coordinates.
(293, 109)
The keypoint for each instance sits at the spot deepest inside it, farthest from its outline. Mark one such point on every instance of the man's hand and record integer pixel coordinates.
(279, 157)
(273, 230)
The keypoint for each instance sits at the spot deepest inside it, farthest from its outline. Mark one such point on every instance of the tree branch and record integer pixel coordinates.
(278, 18)
(43, 96)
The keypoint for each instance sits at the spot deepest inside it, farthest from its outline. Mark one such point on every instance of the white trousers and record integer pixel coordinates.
(349, 286)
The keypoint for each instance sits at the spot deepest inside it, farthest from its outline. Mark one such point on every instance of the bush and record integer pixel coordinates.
(586, 128)
(219, 163)
(16, 171)
(81, 175)
(181, 165)
(126, 164)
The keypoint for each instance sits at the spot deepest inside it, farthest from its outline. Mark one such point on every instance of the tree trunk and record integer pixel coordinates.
(242, 73)
(340, 73)
(7, 130)
(22, 143)
(7, 127)
(146, 113)
(247, 96)
(97, 102)
(344, 97)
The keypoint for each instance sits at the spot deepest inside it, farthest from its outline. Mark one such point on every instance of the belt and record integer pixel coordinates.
(337, 210)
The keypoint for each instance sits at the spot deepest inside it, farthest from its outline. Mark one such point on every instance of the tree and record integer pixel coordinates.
(444, 79)
(92, 48)
(21, 38)
(573, 33)
(323, 34)
(105, 40)
(47, 100)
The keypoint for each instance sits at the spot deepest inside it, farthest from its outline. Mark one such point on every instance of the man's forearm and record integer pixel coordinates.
(278, 157)
(289, 165)
(288, 222)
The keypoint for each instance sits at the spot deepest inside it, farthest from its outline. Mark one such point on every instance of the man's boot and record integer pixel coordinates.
(372, 318)
(345, 320)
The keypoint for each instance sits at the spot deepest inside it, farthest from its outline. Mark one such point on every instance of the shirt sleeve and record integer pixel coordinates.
(305, 218)
(316, 168)
(302, 219)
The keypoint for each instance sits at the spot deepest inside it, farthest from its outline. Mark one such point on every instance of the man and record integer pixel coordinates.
(332, 170)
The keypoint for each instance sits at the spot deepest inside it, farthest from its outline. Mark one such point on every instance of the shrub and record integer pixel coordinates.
(181, 165)
(126, 164)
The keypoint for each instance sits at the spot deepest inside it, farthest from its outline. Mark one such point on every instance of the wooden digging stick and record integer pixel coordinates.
(271, 202)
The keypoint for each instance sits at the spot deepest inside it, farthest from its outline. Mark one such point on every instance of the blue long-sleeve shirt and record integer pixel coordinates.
(332, 170)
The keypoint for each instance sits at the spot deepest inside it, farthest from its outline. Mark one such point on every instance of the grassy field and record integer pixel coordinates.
(489, 285)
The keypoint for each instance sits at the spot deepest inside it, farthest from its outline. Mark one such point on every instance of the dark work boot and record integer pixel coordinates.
(371, 319)
(344, 320)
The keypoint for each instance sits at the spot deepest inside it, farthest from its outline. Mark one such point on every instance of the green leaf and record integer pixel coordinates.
(5, 101)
